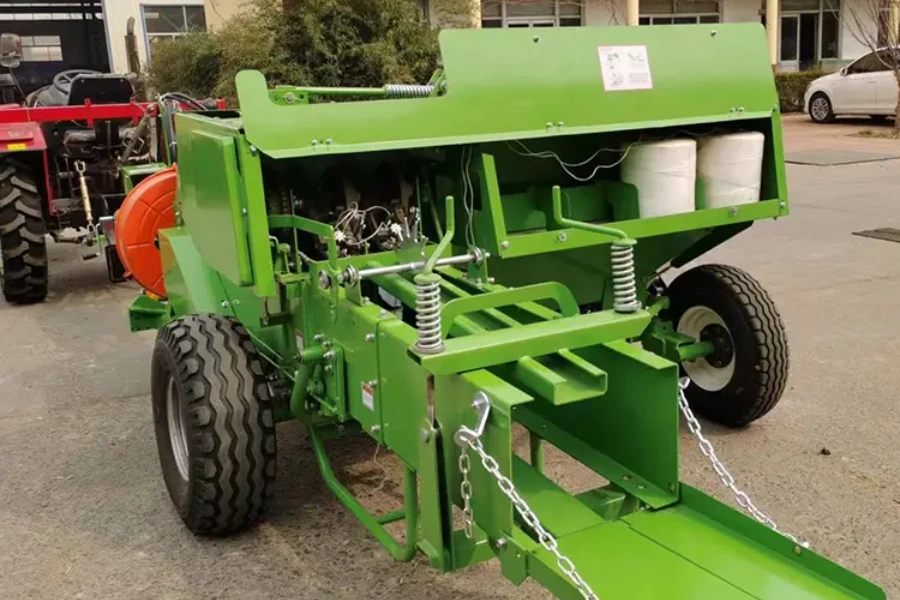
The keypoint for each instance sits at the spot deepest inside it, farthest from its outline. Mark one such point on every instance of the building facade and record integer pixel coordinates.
(811, 33)
(153, 20)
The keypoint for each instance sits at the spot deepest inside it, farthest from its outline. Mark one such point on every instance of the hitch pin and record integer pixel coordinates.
(482, 405)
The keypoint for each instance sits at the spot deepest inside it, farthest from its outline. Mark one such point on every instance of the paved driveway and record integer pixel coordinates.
(84, 513)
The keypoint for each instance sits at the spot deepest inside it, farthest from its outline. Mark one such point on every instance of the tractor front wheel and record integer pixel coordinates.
(23, 243)
(215, 427)
(745, 376)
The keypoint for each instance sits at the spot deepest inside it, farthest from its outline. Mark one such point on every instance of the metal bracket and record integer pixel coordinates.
(482, 405)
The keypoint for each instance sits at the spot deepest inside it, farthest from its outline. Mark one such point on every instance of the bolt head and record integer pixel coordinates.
(324, 280)
(504, 245)
(563, 237)
(502, 542)
(374, 429)
(328, 142)
(329, 368)
(425, 434)
(370, 337)
(225, 304)
(244, 211)
(314, 143)
(383, 314)
(733, 211)
(491, 280)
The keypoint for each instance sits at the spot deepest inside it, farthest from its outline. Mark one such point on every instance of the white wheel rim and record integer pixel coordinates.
(702, 373)
(177, 429)
(819, 108)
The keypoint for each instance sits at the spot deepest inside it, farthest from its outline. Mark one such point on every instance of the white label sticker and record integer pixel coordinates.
(368, 396)
(299, 342)
(625, 68)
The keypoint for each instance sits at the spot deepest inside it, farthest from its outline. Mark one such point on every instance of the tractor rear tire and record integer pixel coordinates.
(746, 376)
(23, 235)
(215, 424)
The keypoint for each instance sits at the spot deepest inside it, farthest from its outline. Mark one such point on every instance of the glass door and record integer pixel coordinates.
(789, 52)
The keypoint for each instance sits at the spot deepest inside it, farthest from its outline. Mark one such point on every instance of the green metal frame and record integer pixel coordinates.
(515, 325)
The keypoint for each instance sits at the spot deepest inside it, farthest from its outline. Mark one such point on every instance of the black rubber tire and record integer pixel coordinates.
(758, 340)
(829, 117)
(228, 420)
(23, 235)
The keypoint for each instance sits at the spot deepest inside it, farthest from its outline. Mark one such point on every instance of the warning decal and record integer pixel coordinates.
(368, 396)
(625, 68)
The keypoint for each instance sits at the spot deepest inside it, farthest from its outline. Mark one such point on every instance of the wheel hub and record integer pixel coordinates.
(177, 429)
(724, 348)
(820, 108)
(714, 372)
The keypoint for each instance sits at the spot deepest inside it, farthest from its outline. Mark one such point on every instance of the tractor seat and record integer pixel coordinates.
(89, 136)
(100, 89)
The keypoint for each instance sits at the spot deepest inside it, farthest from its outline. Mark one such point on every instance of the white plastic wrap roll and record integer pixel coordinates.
(730, 167)
(664, 174)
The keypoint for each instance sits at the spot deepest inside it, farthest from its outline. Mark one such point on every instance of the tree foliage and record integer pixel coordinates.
(310, 42)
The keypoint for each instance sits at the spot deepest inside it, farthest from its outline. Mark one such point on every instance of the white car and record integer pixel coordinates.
(866, 86)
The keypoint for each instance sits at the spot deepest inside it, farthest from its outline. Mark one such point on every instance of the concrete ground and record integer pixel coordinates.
(84, 513)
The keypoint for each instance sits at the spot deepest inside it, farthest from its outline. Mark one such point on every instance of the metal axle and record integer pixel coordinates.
(351, 275)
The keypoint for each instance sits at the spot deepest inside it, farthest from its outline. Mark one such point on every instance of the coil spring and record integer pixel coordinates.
(403, 90)
(623, 277)
(428, 315)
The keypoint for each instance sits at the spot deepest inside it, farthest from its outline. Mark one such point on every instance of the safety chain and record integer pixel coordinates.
(727, 478)
(506, 486)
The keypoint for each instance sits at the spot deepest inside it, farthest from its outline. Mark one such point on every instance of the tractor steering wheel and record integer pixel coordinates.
(63, 80)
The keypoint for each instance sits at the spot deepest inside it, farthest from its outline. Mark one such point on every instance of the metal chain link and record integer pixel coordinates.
(509, 489)
(727, 478)
(465, 490)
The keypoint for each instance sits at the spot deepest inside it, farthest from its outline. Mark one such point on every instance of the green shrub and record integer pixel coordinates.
(792, 86)
(344, 43)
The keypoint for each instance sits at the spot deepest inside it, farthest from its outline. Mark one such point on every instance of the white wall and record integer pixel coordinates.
(740, 11)
(116, 14)
(852, 48)
(604, 12)
(218, 11)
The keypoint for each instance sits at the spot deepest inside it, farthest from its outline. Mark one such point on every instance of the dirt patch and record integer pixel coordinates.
(882, 134)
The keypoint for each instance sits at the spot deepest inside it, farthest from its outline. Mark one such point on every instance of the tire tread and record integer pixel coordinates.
(758, 311)
(22, 235)
(230, 411)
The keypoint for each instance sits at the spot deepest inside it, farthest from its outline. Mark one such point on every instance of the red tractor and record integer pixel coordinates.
(63, 149)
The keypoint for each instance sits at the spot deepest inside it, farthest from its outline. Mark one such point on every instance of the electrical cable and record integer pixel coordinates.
(565, 166)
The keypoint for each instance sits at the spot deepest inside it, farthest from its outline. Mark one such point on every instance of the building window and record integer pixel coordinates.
(534, 13)
(165, 22)
(809, 33)
(41, 48)
(679, 12)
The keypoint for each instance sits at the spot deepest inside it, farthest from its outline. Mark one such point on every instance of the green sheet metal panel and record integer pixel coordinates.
(209, 189)
(517, 83)
(716, 538)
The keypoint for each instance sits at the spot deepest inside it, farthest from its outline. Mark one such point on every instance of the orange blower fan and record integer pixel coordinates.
(147, 209)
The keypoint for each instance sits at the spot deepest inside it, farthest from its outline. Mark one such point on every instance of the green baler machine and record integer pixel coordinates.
(438, 266)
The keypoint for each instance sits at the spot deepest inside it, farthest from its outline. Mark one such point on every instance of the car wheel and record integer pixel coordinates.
(820, 109)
